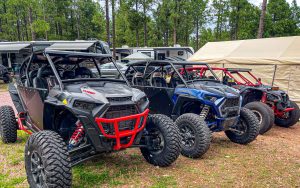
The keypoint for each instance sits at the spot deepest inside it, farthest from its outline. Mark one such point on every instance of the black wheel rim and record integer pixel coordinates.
(187, 136)
(158, 142)
(240, 128)
(37, 169)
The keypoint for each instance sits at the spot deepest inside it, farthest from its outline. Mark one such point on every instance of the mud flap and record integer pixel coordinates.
(15, 97)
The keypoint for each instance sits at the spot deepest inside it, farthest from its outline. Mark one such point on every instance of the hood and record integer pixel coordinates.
(215, 88)
(102, 90)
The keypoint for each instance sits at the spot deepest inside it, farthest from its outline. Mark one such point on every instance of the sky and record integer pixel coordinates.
(258, 2)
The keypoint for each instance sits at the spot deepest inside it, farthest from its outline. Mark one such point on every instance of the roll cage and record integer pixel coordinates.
(229, 72)
(24, 70)
(179, 67)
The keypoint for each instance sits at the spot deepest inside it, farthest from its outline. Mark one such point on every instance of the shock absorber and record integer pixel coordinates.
(204, 111)
(77, 135)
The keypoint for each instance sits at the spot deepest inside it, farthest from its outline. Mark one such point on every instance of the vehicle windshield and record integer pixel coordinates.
(77, 67)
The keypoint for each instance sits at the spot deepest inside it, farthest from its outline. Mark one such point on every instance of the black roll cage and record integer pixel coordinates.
(166, 63)
(47, 54)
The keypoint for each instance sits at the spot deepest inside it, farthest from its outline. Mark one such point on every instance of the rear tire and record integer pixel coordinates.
(263, 115)
(47, 161)
(292, 119)
(195, 135)
(246, 130)
(8, 125)
(168, 138)
(272, 117)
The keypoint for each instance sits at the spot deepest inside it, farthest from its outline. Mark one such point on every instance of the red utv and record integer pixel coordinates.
(261, 99)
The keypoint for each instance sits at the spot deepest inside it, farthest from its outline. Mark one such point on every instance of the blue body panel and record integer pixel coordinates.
(215, 105)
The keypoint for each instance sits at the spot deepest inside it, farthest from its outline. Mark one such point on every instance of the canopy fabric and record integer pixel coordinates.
(12, 47)
(274, 51)
(275, 60)
(137, 56)
(71, 45)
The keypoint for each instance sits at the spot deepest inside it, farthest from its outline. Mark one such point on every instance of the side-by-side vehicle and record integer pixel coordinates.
(199, 106)
(74, 114)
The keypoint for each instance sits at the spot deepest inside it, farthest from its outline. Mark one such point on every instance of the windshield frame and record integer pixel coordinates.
(60, 81)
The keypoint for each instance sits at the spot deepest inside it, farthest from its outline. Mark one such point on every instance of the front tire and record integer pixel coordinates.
(47, 161)
(246, 129)
(8, 125)
(164, 147)
(262, 112)
(195, 135)
(292, 119)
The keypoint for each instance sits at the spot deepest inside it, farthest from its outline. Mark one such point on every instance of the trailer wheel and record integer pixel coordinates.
(195, 135)
(263, 115)
(163, 147)
(291, 119)
(47, 161)
(8, 125)
(246, 130)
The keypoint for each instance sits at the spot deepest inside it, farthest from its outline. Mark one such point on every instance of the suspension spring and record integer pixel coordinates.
(204, 111)
(77, 135)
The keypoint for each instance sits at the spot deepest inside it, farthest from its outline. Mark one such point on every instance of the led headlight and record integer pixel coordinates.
(210, 98)
(142, 100)
(87, 106)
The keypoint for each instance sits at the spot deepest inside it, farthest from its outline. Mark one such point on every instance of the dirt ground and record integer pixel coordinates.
(272, 160)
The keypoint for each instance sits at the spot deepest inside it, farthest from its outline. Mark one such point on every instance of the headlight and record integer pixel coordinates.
(142, 101)
(87, 106)
(210, 98)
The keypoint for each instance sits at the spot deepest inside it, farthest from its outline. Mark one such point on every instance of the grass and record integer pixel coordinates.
(3, 87)
(273, 160)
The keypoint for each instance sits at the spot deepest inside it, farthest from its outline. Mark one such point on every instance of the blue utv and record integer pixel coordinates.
(200, 105)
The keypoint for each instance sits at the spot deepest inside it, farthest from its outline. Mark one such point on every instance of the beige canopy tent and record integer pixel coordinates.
(275, 60)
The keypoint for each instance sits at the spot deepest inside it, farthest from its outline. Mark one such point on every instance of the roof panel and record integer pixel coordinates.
(71, 45)
(12, 47)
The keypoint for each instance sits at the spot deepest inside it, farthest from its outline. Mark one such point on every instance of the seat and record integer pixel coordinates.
(211, 78)
(157, 80)
(83, 72)
(138, 79)
(225, 80)
(40, 81)
(32, 74)
(175, 81)
(68, 75)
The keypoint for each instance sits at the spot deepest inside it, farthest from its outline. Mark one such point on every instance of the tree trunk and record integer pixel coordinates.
(113, 27)
(25, 25)
(137, 29)
(33, 34)
(262, 20)
(197, 33)
(46, 32)
(18, 24)
(145, 24)
(175, 32)
(107, 21)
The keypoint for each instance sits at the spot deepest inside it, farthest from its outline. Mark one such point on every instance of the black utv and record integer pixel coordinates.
(4, 74)
(73, 115)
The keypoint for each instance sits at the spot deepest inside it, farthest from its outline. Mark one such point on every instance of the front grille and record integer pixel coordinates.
(119, 99)
(231, 102)
(120, 111)
(230, 107)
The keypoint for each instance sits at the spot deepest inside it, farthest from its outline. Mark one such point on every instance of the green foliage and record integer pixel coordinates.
(147, 22)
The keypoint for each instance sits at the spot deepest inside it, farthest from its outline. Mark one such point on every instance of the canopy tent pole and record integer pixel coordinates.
(274, 74)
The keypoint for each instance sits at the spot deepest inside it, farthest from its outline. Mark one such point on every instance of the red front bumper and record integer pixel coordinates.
(138, 126)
